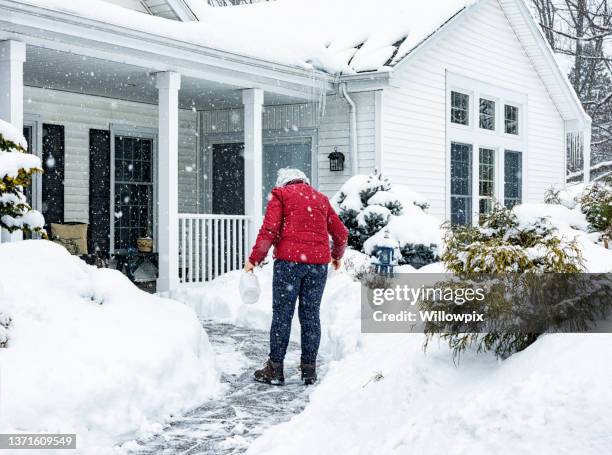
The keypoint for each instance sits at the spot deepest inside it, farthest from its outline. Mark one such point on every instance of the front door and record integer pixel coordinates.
(228, 179)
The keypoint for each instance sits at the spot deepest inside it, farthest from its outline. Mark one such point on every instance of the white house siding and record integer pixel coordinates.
(332, 130)
(79, 113)
(483, 47)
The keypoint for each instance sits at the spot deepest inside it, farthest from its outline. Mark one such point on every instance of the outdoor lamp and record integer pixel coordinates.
(336, 160)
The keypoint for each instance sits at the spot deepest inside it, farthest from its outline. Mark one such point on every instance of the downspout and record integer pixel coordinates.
(352, 128)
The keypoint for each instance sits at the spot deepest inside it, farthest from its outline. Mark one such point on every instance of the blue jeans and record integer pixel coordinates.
(292, 280)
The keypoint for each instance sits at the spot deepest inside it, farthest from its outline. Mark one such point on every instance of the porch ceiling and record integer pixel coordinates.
(49, 68)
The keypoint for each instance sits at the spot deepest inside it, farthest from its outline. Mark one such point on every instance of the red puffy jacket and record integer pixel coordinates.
(298, 222)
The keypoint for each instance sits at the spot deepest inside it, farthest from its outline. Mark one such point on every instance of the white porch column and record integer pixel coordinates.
(168, 85)
(12, 56)
(587, 152)
(253, 101)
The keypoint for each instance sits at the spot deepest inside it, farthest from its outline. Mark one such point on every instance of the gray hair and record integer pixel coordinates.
(288, 175)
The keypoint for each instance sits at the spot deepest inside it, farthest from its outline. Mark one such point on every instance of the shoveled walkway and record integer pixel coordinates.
(227, 425)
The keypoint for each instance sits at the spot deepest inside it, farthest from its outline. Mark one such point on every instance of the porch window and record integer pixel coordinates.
(133, 215)
(487, 114)
(277, 156)
(461, 183)
(513, 178)
(486, 180)
(511, 119)
(460, 108)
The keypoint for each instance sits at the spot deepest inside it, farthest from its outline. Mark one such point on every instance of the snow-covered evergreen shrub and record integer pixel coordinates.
(502, 245)
(596, 204)
(16, 169)
(370, 206)
(514, 253)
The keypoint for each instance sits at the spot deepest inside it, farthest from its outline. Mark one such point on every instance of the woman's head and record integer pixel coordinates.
(289, 175)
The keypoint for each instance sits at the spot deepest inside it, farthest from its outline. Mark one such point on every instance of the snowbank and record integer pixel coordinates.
(320, 34)
(390, 398)
(89, 353)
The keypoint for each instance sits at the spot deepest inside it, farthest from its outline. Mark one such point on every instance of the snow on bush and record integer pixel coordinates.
(512, 245)
(596, 204)
(16, 169)
(89, 353)
(377, 212)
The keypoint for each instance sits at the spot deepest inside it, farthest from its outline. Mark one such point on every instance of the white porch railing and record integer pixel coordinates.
(210, 245)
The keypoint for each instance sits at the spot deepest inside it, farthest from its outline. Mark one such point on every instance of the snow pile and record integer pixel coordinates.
(391, 398)
(337, 36)
(89, 353)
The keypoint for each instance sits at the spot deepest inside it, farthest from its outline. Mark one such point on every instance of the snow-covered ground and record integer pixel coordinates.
(91, 354)
(382, 394)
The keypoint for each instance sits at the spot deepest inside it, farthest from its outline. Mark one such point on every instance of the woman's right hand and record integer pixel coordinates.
(336, 264)
(248, 267)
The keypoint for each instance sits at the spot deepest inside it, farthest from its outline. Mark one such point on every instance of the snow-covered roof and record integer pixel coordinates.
(335, 36)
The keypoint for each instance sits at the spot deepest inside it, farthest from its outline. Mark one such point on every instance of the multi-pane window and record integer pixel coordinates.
(460, 108)
(133, 215)
(461, 183)
(513, 178)
(486, 180)
(511, 119)
(487, 114)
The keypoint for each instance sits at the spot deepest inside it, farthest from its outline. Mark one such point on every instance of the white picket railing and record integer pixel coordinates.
(210, 245)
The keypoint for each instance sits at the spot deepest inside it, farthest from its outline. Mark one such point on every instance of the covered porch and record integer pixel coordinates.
(155, 137)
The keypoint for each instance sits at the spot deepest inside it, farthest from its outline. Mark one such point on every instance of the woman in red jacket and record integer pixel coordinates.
(298, 223)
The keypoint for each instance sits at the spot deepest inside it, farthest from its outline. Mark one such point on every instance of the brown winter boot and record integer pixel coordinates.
(309, 373)
(271, 373)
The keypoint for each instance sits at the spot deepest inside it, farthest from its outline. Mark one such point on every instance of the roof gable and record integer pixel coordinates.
(535, 45)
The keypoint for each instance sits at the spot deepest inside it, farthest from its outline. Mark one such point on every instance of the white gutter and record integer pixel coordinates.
(352, 128)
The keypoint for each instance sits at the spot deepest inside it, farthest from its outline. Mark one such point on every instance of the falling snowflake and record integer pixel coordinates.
(130, 167)
(189, 168)
(118, 214)
(303, 257)
(126, 200)
(50, 162)
(295, 128)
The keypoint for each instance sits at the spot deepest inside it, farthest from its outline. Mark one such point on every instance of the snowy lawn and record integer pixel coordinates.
(382, 394)
(89, 353)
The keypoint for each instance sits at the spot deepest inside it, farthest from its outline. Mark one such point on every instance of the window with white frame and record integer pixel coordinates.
(460, 108)
(486, 180)
(461, 183)
(513, 178)
(511, 119)
(487, 114)
(485, 161)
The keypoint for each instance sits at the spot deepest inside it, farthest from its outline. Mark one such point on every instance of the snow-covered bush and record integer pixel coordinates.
(514, 252)
(503, 244)
(596, 204)
(371, 207)
(16, 169)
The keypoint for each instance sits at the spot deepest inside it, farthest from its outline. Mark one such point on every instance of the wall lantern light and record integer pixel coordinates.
(336, 160)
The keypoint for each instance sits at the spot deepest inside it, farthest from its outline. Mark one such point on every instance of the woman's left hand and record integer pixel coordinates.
(248, 267)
